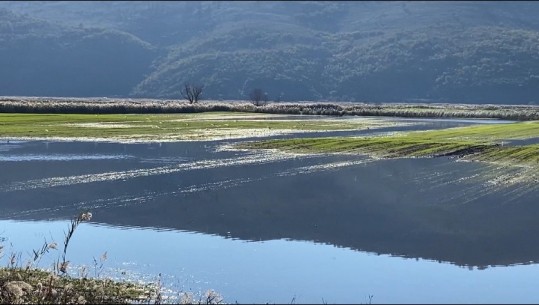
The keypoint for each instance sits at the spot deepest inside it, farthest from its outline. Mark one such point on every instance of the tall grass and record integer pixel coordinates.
(124, 106)
(30, 284)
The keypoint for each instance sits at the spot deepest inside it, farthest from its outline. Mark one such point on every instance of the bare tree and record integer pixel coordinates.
(192, 92)
(258, 97)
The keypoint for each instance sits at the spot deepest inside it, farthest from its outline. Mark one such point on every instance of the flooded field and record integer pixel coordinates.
(266, 226)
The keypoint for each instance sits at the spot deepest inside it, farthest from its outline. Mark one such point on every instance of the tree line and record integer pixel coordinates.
(193, 94)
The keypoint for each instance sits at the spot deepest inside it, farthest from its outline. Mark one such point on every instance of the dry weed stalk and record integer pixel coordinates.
(85, 216)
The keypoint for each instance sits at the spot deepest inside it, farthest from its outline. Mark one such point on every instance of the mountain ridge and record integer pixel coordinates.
(464, 52)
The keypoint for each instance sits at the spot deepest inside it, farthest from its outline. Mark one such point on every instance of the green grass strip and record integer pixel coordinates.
(478, 142)
(163, 126)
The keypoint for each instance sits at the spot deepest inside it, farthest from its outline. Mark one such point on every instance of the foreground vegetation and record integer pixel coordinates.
(479, 143)
(33, 286)
(29, 284)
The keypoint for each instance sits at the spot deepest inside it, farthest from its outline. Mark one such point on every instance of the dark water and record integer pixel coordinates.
(261, 227)
(521, 142)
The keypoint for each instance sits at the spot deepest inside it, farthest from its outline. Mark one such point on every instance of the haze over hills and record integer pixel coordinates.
(476, 52)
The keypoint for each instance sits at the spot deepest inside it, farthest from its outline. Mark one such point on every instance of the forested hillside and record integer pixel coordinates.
(40, 58)
(478, 52)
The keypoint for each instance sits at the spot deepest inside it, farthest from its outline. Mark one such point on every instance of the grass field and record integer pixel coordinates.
(168, 127)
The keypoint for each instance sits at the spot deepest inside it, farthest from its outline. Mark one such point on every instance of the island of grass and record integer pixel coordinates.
(487, 143)
(170, 127)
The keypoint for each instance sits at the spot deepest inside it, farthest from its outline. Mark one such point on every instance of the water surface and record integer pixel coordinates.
(269, 227)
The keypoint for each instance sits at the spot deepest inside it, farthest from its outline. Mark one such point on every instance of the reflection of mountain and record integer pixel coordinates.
(375, 212)
(399, 207)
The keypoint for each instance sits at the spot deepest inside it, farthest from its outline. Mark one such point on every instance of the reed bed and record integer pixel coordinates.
(126, 106)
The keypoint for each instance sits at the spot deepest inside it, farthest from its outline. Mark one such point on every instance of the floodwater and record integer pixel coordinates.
(266, 227)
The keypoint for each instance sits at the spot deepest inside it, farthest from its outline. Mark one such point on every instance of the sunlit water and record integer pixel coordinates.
(278, 271)
(279, 228)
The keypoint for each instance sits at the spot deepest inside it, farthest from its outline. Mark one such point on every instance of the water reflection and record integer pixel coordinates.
(277, 271)
(436, 209)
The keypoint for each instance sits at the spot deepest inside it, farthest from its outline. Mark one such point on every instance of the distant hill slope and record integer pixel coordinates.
(480, 52)
(39, 58)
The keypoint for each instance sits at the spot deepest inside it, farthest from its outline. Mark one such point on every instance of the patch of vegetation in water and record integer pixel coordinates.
(387, 147)
(167, 126)
(481, 143)
(487, 133)
(528, 154)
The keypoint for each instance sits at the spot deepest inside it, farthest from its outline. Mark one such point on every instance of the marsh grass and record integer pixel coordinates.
(123, 106)
(477, 143)
(166, 126)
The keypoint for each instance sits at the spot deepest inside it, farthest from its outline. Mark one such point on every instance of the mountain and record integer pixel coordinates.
(40, 58)
(471, 52)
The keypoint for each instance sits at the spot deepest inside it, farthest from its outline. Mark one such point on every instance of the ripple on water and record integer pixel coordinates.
(58, 157)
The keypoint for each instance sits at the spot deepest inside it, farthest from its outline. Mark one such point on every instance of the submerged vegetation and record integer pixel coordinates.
(479, 143)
